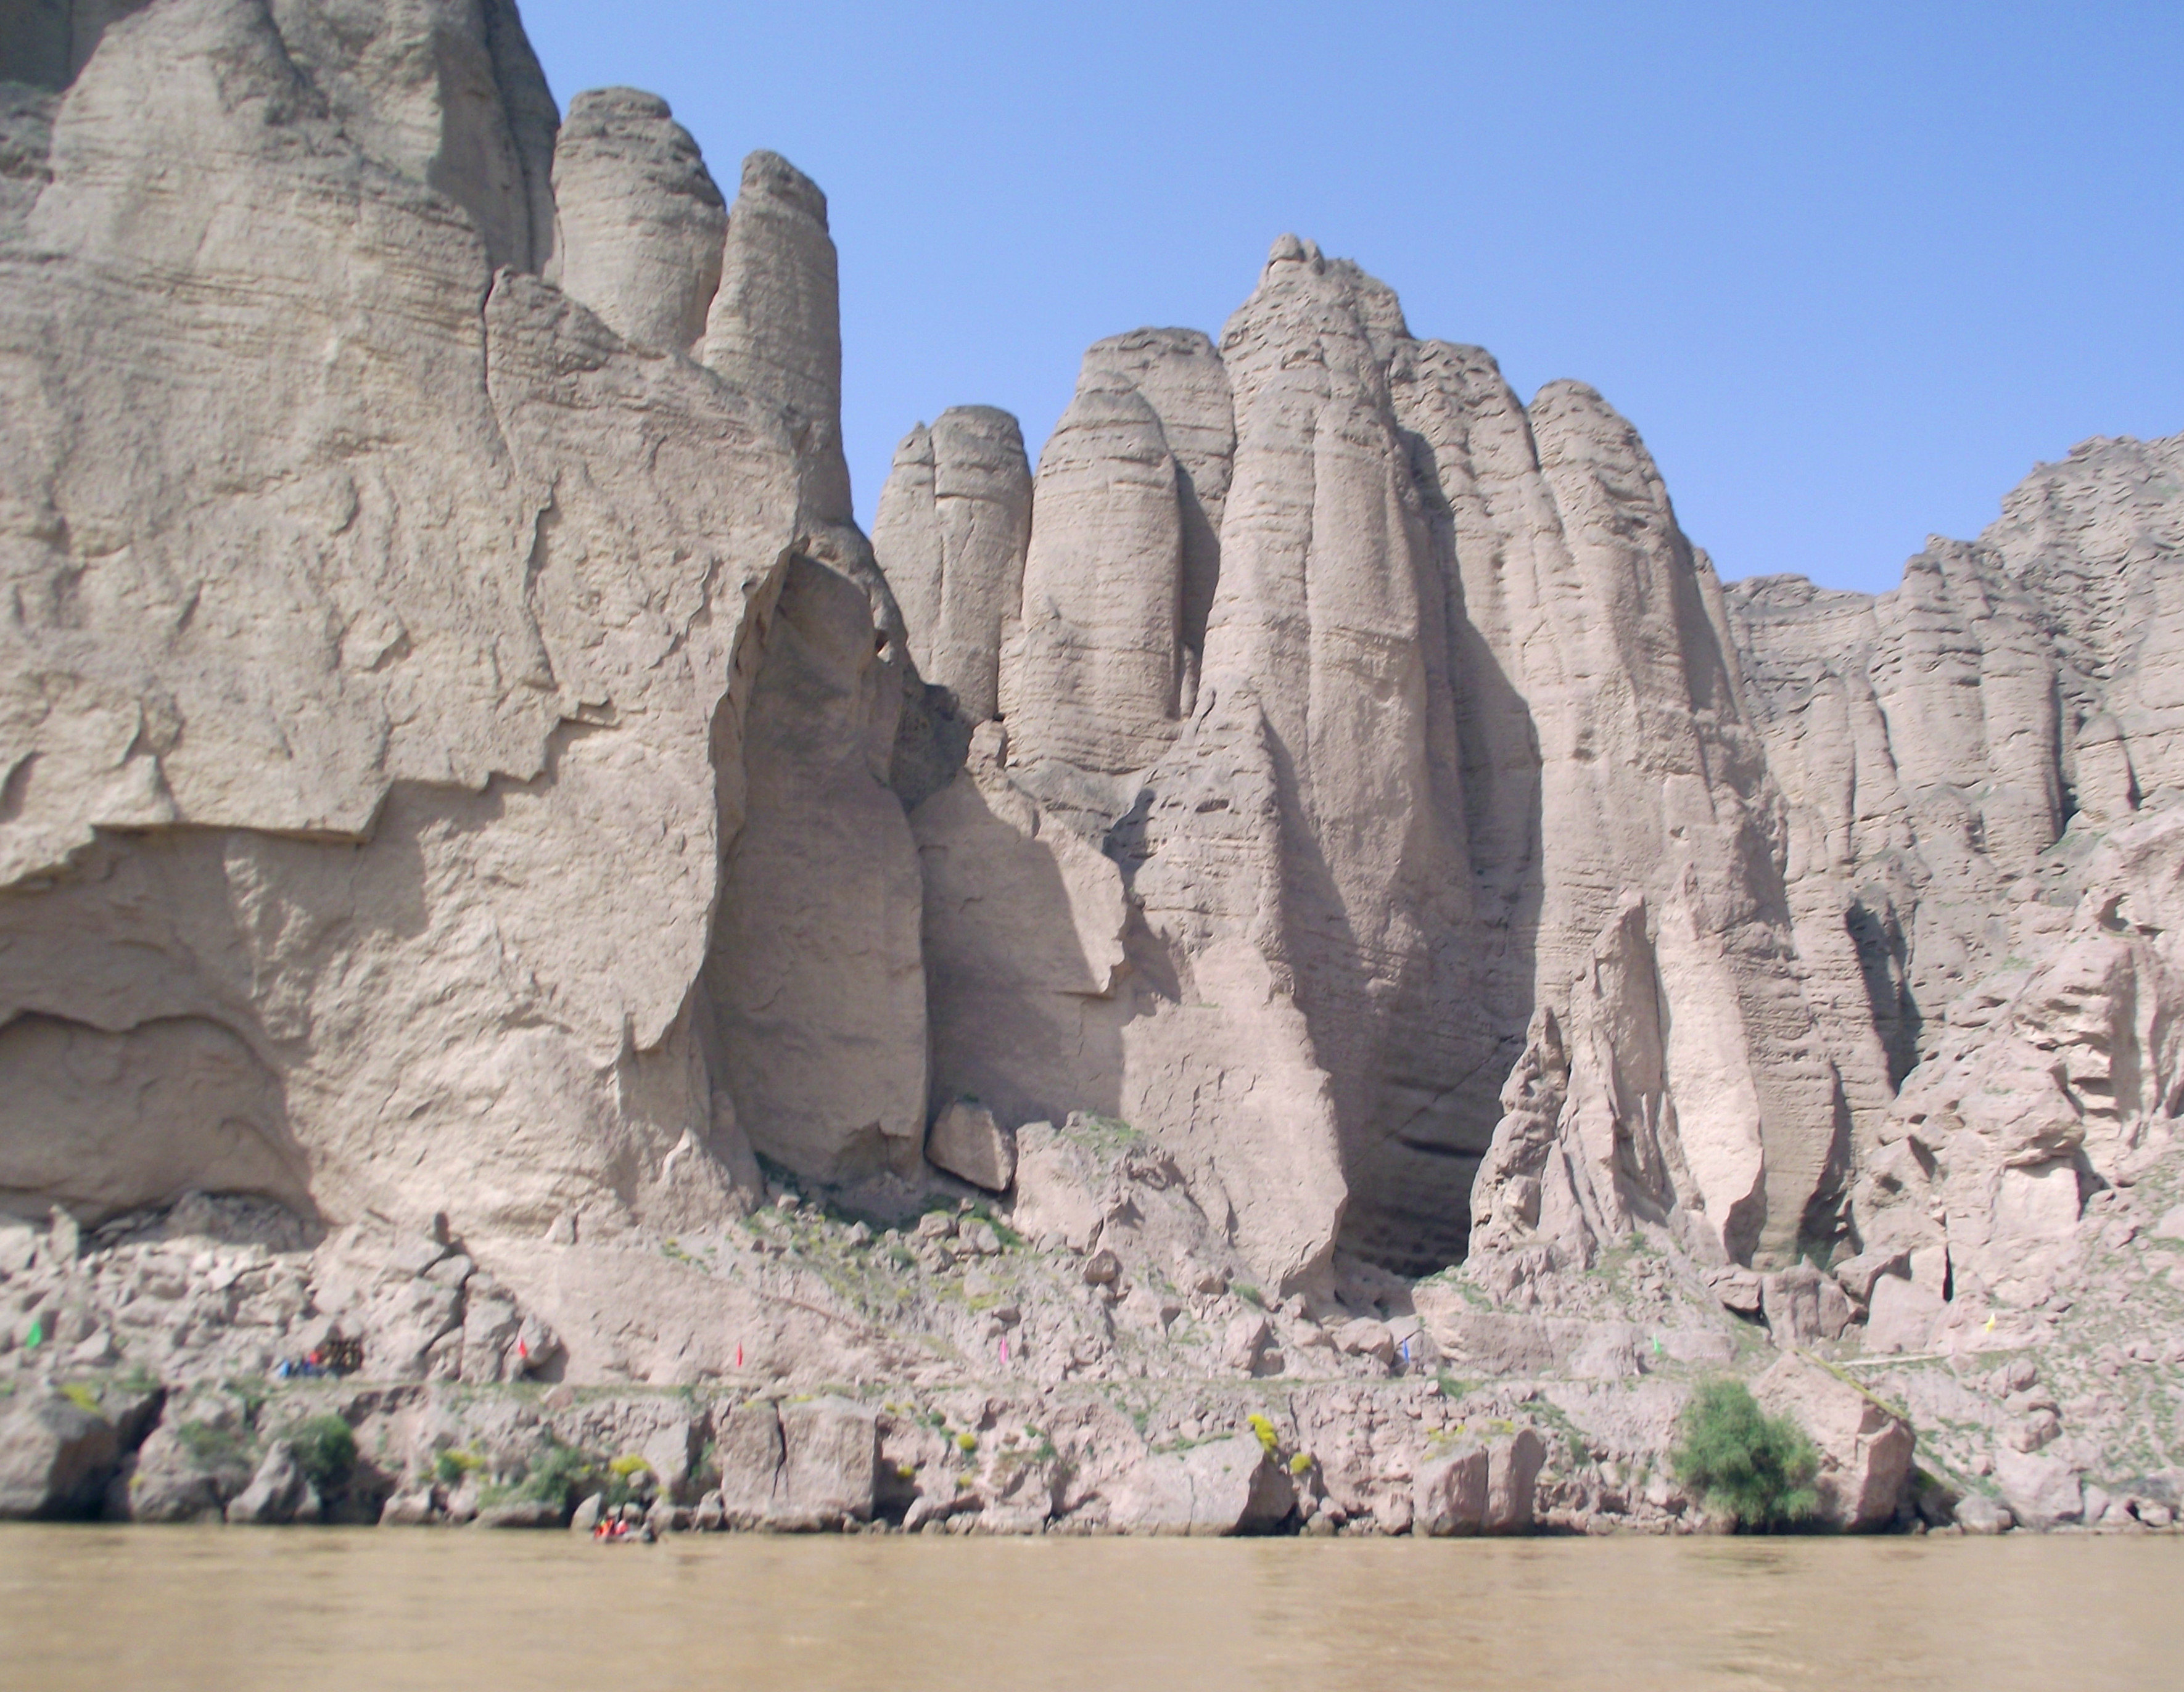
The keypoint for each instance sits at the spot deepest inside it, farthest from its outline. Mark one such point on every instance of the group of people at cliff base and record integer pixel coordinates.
(334, 1357)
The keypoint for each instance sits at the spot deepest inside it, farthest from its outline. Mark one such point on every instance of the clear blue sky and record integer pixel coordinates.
(1852, 268)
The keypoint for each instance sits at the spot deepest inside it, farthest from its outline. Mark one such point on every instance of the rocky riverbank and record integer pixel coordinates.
(1085, 1357)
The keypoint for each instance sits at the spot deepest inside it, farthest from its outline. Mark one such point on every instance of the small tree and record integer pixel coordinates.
(1756, 1467)
(325, 1451)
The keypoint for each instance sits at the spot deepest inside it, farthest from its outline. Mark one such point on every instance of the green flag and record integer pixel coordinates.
(37, 1337)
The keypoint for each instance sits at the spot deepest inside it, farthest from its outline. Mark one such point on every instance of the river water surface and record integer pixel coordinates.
(328, 1609)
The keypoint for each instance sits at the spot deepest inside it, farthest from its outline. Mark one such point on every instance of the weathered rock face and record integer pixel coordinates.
(638, 224)
(375, 723)
(1380, 694)
(953, 519)
(458, 754)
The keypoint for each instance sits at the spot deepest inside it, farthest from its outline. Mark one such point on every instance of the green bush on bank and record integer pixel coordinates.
(1743, 1462)
(325, 1451)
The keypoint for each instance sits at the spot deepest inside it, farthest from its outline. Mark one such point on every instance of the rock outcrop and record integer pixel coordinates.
(499, 877)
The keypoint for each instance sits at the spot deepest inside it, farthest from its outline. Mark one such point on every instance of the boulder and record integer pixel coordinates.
(1864, 1447)
(412, 1508)
(1244, 1345)
(830, 1465)
(1362, 1337)
(1901, 1315)
(747, 1446)
(1226, 1487)
(2042, 1488)
(1448, 1493)
(1857, 1276)
(1803, 1306)
(278, 1494)
(56, 1458)
(1975, 1513)
(1058, 1187)
(1512, 1475)
(970, 1144)
(187, 1471)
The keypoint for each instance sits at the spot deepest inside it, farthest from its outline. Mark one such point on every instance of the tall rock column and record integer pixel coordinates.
(953, 519)
(1604, 746)
(1328, 618)
(640, 225)
(815, 977)
(1094, 675)
(775, 328)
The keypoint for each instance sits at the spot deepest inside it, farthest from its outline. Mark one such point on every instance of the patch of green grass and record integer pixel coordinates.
(1751, 1465)
(1250, 1294)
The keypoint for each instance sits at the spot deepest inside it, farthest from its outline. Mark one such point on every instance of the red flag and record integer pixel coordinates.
(739, 1356)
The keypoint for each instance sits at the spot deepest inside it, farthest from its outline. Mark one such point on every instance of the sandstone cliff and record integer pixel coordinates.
(464, 775)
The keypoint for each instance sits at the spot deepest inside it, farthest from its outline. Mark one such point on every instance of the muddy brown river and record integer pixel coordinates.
(323, 1610)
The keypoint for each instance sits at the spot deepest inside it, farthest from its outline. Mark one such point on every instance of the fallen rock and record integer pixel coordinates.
(1803, 1306)
(56, 1458)
(1449, 1495)
(1497, 1341)
(278, 1494)
(1365, 1338)
(527, 1512)
(1902, 1316)
(1057, 1187)
(1738, 1289)
(1245, 1346)
(1228, 1487)
(1864, 1448)
(1976, 1513)
(1512, 1475)
(746, 1447)
(830, 1465)
(408, 1509)
(188, 1472)
(1857, 1275)
(967, 1142)
(2041, 1490)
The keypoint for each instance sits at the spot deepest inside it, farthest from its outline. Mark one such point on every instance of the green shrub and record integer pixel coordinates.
(1745, 1463)
(554, 1473)
(450, 1468)
(325, 1451)
(212, 1446)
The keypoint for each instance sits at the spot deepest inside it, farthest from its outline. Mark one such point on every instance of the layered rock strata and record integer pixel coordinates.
(1350, 663)
(464, 775)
